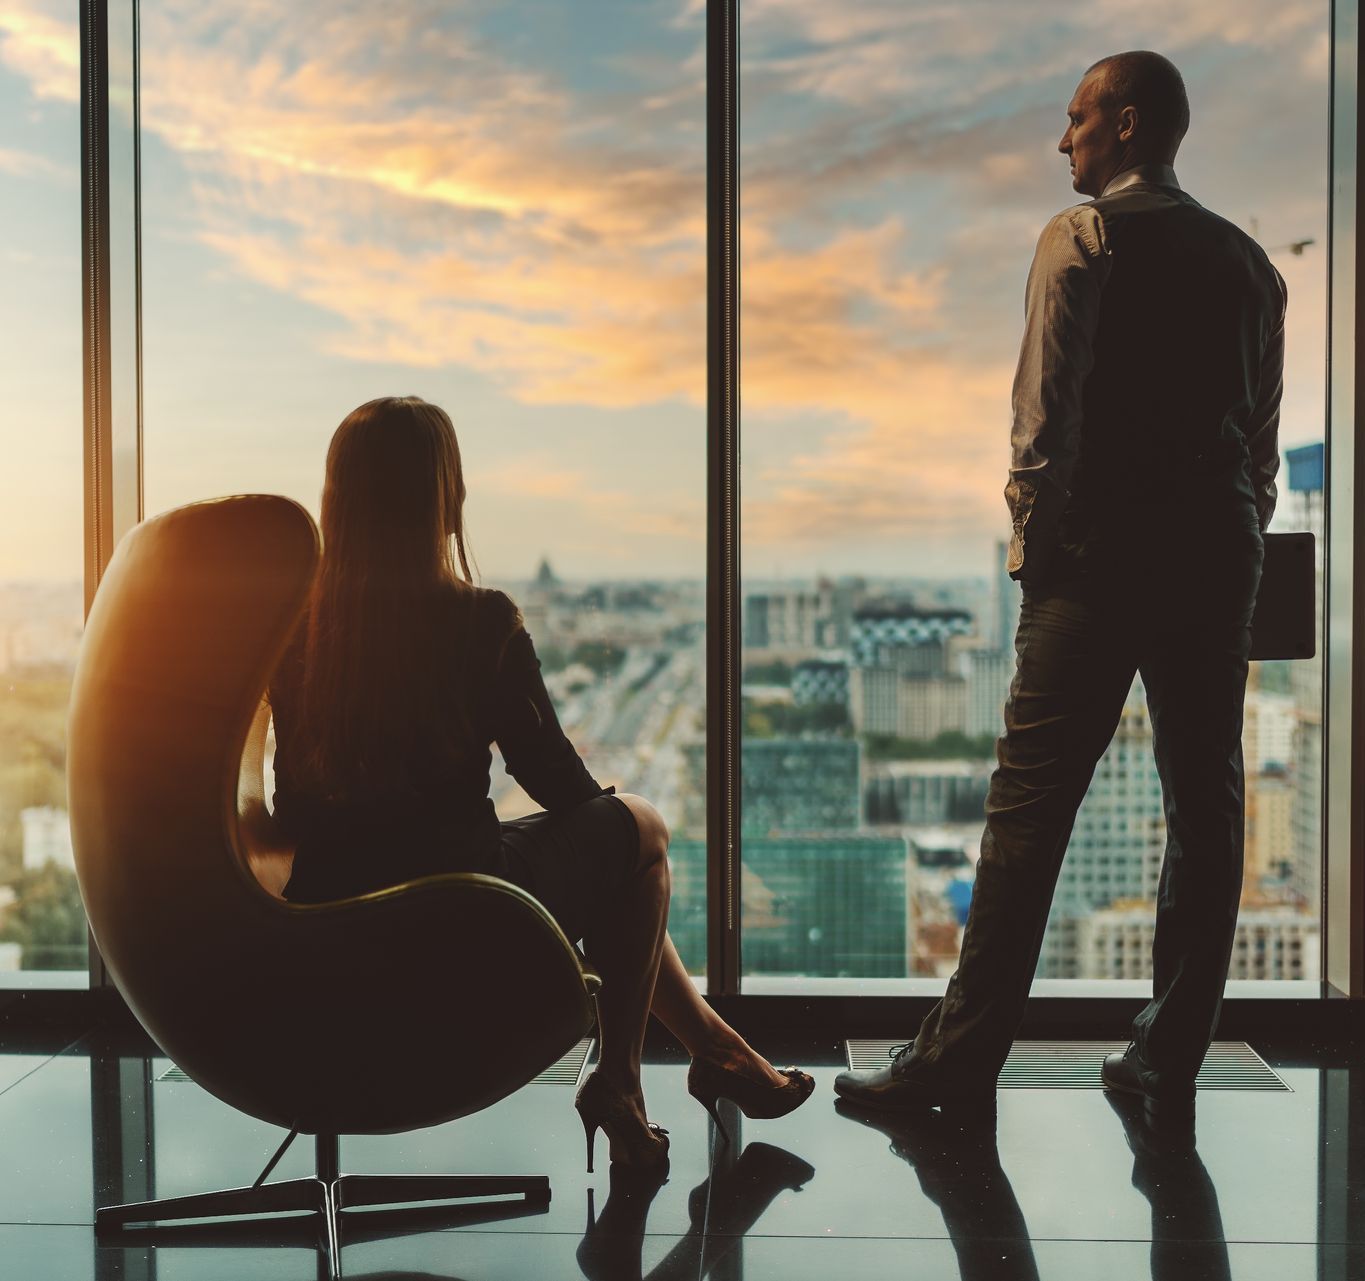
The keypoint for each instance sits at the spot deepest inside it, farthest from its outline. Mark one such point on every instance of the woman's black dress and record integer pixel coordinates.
(574, 857)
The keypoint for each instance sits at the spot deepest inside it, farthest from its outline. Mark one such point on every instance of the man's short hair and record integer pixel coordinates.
(1154, 86)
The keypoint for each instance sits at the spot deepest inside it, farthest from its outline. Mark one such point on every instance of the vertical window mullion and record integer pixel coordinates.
(1344, 670)
(95, 288)
(111, 288)
(722, 587)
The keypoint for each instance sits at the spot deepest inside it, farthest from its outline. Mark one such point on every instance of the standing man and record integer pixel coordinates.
(1146, 409)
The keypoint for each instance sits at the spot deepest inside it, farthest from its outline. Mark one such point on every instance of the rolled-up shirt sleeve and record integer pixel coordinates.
(1263, 427)
(534, 747)
(1061, 312)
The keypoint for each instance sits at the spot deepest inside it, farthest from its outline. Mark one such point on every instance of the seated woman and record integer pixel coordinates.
(384, 708)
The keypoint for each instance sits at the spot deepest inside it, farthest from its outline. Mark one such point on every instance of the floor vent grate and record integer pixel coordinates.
(567, 1071)
(1075, 1065)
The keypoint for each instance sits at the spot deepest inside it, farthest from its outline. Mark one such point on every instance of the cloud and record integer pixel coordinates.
(42, 47)
(442, 198)
(28, 164)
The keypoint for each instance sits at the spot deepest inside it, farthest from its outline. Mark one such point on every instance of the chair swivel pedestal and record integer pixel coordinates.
(326, 1194)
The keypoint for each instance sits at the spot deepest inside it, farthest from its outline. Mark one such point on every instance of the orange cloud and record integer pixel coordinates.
(446, 207)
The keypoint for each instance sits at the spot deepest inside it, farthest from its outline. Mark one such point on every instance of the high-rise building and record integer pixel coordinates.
(800, 620)
(819, 680)
(799, 785)
(1270, 943)
(787, 785)
(1305, 876)
(883, 635)
(825, 905)
(1267, 730)
(988, 673)
(925, 793)
(885, 700)
(1117, 843)
(1304, 508)
(1270, 801)
(1006, 598)
(47, 837)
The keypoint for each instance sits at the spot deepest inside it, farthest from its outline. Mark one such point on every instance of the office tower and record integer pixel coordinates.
(1303, 508)
(801, 620)
(824, 905)
(1270, 943)
(1306, 851)
(1007, 595)
(884, 700)
(889, 634)
(799, 785)
(47, 837)
(1271, 796)
(1267, 730)
(901, 683)
(988, 673)
(819, 680)
(925, 793)
(786, 785)
(1118, 841)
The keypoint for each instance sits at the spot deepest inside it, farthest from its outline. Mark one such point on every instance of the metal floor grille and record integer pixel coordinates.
(1075, 1065)
(567, 1071)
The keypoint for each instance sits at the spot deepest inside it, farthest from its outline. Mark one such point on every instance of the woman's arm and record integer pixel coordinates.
(533, 745)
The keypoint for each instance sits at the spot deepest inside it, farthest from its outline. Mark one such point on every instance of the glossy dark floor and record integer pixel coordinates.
(1065, 1185)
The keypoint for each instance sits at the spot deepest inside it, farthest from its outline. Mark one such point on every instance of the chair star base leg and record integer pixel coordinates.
(327, 1195)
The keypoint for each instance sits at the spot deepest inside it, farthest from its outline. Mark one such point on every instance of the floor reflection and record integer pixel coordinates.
(1187, 1226)
(1105, 1193)
(744, 1182)
(957, 1160)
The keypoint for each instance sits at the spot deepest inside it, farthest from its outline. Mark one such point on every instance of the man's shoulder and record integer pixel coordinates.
(1076, 225)
(1175, 213)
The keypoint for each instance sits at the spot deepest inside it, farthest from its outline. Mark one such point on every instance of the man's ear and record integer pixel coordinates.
(1128, 121)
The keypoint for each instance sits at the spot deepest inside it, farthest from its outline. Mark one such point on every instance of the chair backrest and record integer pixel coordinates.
(387, 1012)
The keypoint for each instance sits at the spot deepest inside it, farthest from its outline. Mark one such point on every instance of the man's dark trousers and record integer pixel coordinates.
(1176, 607)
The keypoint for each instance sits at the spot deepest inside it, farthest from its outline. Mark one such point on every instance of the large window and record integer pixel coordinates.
(502, 209)
(897, 164)
(42, 926)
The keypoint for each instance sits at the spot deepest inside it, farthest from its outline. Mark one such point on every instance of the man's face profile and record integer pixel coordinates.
(1095, 137)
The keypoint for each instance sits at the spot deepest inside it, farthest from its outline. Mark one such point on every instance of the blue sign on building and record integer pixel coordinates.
(1305, 468)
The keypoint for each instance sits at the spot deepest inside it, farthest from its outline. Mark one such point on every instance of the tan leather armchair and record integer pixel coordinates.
(390, 1012)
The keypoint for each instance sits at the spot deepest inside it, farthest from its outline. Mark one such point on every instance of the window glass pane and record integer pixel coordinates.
(42, 925)
(502, 209)
(898, 162)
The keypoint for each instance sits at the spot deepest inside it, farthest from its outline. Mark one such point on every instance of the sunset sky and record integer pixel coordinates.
(501, 208)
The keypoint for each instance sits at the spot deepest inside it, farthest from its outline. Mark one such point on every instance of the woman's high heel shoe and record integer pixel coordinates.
(707, 1082)
(601, 1106)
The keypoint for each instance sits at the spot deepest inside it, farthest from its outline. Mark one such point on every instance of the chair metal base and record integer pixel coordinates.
(327, 1194)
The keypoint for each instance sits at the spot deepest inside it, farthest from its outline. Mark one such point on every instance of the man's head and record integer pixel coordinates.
(1129, 109)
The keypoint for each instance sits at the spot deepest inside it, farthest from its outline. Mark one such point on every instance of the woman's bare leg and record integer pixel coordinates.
(684, 1012)
(675, 1000)
(627, 956)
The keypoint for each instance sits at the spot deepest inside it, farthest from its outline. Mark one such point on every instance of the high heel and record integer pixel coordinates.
(601, 1107)
(708, 1082)
(710, 1105)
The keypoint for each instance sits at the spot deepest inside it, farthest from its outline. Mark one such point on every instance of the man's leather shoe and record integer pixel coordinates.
(1164, 1099)
(897, 1088)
